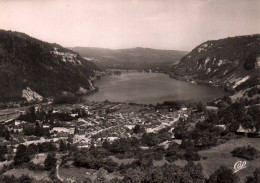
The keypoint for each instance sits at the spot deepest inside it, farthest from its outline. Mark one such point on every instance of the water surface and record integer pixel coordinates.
(149, 88)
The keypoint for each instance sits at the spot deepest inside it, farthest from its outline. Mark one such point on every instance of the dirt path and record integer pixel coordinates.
(57, 173)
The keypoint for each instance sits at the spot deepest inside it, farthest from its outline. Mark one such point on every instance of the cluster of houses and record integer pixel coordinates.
(105, 121)
(109, 121)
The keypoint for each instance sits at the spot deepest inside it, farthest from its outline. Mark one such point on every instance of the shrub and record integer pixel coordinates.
(195, 171)
(12, 179)
(249, 153)
(35, 167)
(223, 175)
(255, 178)
(50, 162)
(22, 155)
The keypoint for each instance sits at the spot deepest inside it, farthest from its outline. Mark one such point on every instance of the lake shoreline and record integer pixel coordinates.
(225, 88)
(156, 80)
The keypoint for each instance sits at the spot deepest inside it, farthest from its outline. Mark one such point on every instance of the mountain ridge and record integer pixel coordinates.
(46, 68)
(131, 58)
(232, 63)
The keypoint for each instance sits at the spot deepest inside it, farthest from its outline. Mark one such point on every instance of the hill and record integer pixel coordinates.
(34, 69)
(233, 63)
(133, 58)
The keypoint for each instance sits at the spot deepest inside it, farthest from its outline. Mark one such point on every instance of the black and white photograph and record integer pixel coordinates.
(129, 91)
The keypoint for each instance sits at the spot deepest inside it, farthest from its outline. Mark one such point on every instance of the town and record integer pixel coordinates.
(91, 122)
(125, 131)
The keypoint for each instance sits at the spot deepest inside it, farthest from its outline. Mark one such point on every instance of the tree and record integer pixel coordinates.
(115, 180)
(212, 117)
(106, 145)
(133, 176)
(52, 174)
(248, 122)
(154, 175)
(223, 175)
(8, 179)
(46, 147)
(3, 151)
(38, 130)
(164, 135)
(28, 129)
(121, 145)
(30, 116)
(25, 179)
(88, 180)
(22, 155)
(138, 129)
(76, 130)
(32, 149)
(227, 116)
(4, 132)
(171, 173)
(255, 178)
(233, 127)
(12, 179)
(101, 176)
(7, 134)
(173, 152)
(249, 153)
(186, 178)
(205, 135)
(195, 171)
(62, 146)
(254, 111)
(181, 130)
(238, 111)
(201, 106)
(150, 139)
(50, 161)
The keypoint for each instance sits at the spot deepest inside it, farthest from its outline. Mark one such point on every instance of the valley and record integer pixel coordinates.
(94, 140)
(82, 123)
(130, 91)
(146, 59)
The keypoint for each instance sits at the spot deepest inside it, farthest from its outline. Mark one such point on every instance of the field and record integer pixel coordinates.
(81, 174)
(38, 175)
(221, 155)
(122, 161)
(39, 159)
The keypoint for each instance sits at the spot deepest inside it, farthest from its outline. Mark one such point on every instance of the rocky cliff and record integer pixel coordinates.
(232, 62)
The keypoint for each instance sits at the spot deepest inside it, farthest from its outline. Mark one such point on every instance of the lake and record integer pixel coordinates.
(150, 88)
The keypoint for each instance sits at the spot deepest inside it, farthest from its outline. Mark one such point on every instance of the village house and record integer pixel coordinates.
(249, 132)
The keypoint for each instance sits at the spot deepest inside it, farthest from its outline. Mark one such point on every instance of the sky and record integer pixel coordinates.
(116, 24)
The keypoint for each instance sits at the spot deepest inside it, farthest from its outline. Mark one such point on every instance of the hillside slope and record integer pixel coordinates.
(233, 63)
(30, 67)
(134, 58)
